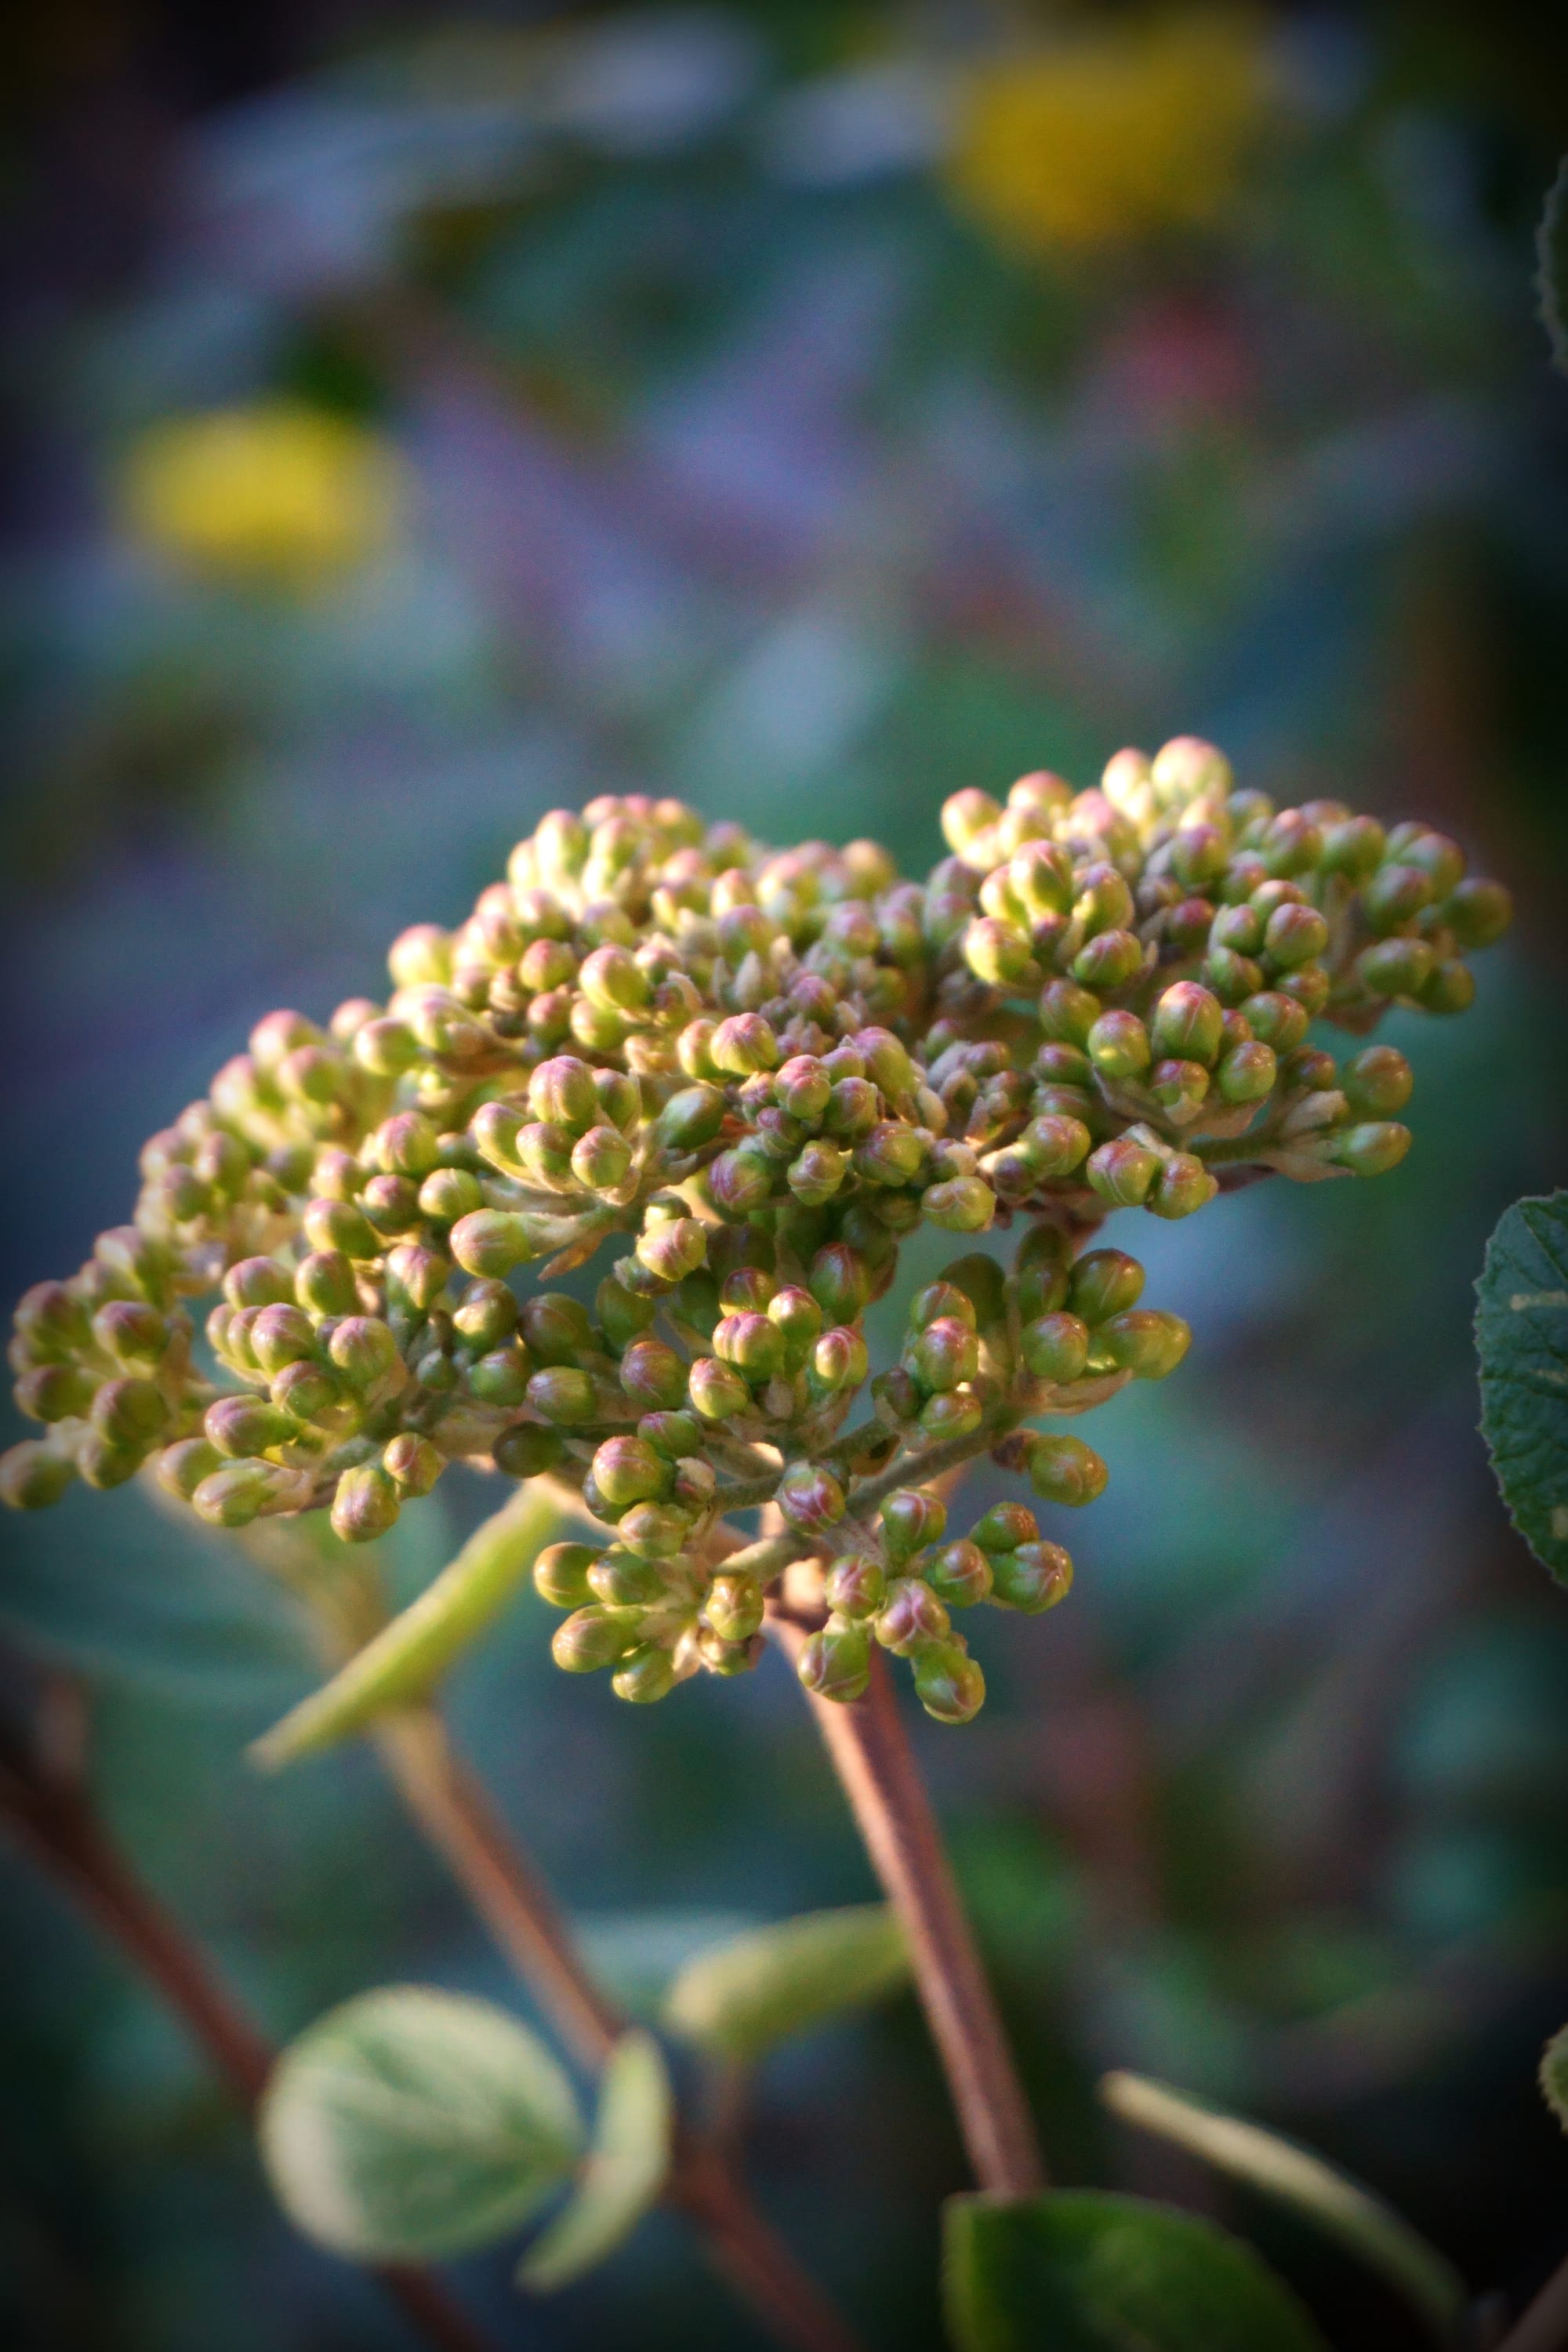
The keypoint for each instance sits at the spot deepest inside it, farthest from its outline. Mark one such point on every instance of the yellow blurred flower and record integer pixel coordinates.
(1111, 133)
(277, 492)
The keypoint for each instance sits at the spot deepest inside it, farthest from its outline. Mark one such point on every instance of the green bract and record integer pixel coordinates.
(738, 1079)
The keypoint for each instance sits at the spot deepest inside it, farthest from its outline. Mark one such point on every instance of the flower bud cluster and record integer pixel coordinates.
(745, 1076)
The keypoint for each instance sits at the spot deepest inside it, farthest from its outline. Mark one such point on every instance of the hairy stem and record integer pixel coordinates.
(54, 1822)
(872, 1757)
(456, 1818)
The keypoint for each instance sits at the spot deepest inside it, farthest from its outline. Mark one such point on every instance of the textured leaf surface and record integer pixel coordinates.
(1522, 1336)
(1085, 2272)
(406, 1660)
(760, 1988)
(1294, 2175)
(412, 2122)
(625, 2170)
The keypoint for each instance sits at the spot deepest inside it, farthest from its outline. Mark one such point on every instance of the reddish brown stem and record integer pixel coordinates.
(871, 1754)
(54, 1825)
(1543, 2325)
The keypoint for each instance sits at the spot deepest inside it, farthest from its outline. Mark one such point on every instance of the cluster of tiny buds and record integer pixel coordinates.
(761, 1071)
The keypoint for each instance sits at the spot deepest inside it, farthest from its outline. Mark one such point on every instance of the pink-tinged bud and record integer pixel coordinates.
(1145, 1342)
(1185, 1184)
(1123, 1172)
(241, 1426)
(562, 1395)
(615, 980)
(364, 1350)
(589, 1640)
(653, 1376)
(258, 1282)
(945, 1354)
(1377, 1082)
(280, 1335)
(838, 1361)
(627, 1470)
(1108, 961)
(948, 1683)
(1189, 1023)
(1477, 912)
(180, 1469)
(1066, 1470)
(670, 1252)
(959, 1574)
(910, 1520)
(1003, 1528)
(561, 1093)
(839, 1281)
(716, 1391)
(51, 1393)
(413, 1464)
(1248, 1072)
(342, 1227)
(305, 1393)
(751, 1343)
(560, 1575)
(1118, 1046)
(734, 1605)
(1031, 1577)
(810, 1498)
(741, 1181)
(836, 1663)
(964, 1204)
(646, 1676)
(910, 1616)
(1056, 1347)
(743, 1045)
(802, 1089)
(491, 1242)
(856, 1585)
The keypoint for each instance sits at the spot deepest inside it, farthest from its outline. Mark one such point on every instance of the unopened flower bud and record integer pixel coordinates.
(364, 1349)
(1123, 1172)
(1056, 1347)
(281, 1335)
(810, 1498)
(839, 1281)
(670, 1252)
(51, 1393)
(181, 1468)
(1449, 989)
(948, 1683)
(959, 1574)
(1143, 1340)
(1033, 1576)
(527, 1450)
(1003, 1528)
(744, 1043)
(751, 1343)
(560, 1575)
(619, 1579)
(654, 1530)
(891, 1154)
(258, 1282)
(589, 1640)
(646, 1676)
(340, 1228)
(1371, 1149)
(689, 1119)
(413, 1462)
(1179, 1088)
(945, 1353)
(1396, 967)
(1249, 1071)
(622, 1314)
(856, 1585)
(305, 1393)
(1377, 1082)
(910, 1520)
(1185, 1184)
(1066, 1470)
(734, 1605)
(1104, 1282)
(238, 1493)
(1477, 912)
(1294, 935)
(627, 1470)
(912, 1615)
(836, 1663)
(564, 1395)
(1187, 1024)
(491, 1242)
(32, 1475)
(716, 1391)
(964, 1204)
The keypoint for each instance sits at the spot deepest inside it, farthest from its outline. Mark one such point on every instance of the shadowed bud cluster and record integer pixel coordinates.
(742, 1078)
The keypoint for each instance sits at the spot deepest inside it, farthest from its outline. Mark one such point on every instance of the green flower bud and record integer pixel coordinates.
(258, 1282)
(1397, 967)
(241, 1426)
(1032, 1577)
(622, 1314)
(1377, 1082)
(964, 1204)
(673, 1434)
(954, 1413)
(1185, 1184)
(999, 954)
(340, 1229)
(391, 1204)
(1451, 989)
(836, 1663)
(856, 1585)
(1295, 935)
(147, 1265)
(1066, 1470)
(751, 1343)
(1123, 1172)
(449, 1193)
(238, 1493)
(818, 1172)
(324, 1284)
(1187, 1025)
(1477, 912)
(948, 1683)
(1003, 1528)
(627, 1470)
(485, 1315)
(527, 1451)
(891, 1154)
(561, 1093)
(1231, 977)
(364, 1350)
(654, 1530)
(385, 1047)
(52, 1324)
(669, 1252)
(945, 1354)
(602, 1158)
(1311, 987)
(1395, 896)
(1143, 1340)
(734, 1606)
(744, 1043)
(653, 1376)
(740, 1181)
(51, 1393)
(32, 1475)
(133, 1333)
(543, 1155)
(1371, 1149)
(305, 1392)
(416, 1275)
(1248, 1072)
(413, 1464)
(715, 1390)
(589, 1639)
(810, 1498)
(840, 1282)
(564, 1396)
(938, 1298)
(491, 1242)
(910, 1520)
(405, 1145)
(1109, 962)
(960, 1574)
(281, 1335)
(910, 1616)
(853, 1107)
(613, 981)
(555, 1329)
(1056, 1347)
(1067, 1013)
(181, 1468)
(1179, 1088)
(647, 1676)
(560, 1575)
(689, 1119)
(1104, 1282)
(839, 1362)
(620, 1579)
(798, 1318)
(1353, 846)
(1118, 1046)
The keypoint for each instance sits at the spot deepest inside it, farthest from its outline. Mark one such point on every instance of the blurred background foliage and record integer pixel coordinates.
(419, 418)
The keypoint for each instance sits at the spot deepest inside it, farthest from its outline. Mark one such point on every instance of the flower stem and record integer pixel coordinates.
(52, 1818)
(875, 1764)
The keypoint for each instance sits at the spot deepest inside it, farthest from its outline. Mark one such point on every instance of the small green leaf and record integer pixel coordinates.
(1555, 2075)
(737, 2000)
(1522, 1336)
(406, 1660)
(625, 2170)
(414, 2123)
(1295, 2177)
(1081, 2270)
(1551, 267)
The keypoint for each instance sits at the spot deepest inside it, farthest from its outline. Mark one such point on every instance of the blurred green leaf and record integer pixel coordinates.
(1555, 2075)
(738, 1999)
(413, 2123)
(625, 2170)
(1293, 2175)
(1551, 265)
(1081, 2270)
(406, 1660)
(1522, 1336)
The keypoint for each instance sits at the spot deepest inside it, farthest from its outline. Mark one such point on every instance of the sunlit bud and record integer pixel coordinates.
(1395, 896)
(948, 1683)
(564, 1395)
(1118, 1046)
(385, 1047)
(240, 1426)
(673, 1434)
(966, 818)
(1377, 1082)
(1185, 1184)
(305, 1393)
(810, 1498)
(1031, 1577)
(959, 1574)
(799, 1318)
(133, 1333)
(653, 1376)
(1040, 874)
(838, 1361)
(55, 1391)
(839, 1282)
(258, 1282)
(181, 1468)
(420, 957)
(912, 1614)
(621, 1579)
(341, 1227)
(364, 1349)
(836, 1663)
(391, 1204)
(602, 1158)
(741, 1181)
(365, 1505)
(1108, 961)
(238, 1493)
(413, 1462)
(1179, 1088)
(589, 1639)
(1104, 1282)
(53, 1324)
(744, 1043)
(938, 1298)
(615, 980)
(716, 1391)
(647, 1676)
(1311, 987)
(1477, 912)
(734, 1606)
(1056, 1347)
(1247, 1071)
(449, 1193)
(324, 1284)
(561, 1093)
(856, 1585)
(500, 1377)
(945, 1353)
(1123, 1172)
(419, 1275)
(527, 1451)
(627, 1470)
(964, 1204)
(621, 1313)
(1187, 1024)
(690, 1119)
(1003, 1528)
(891, 1154)
(1276, 1019)
(1398, 967)
(405, 1145)
(1066, 1470)
(281, 1335)
(671, 1252)
(654, 1531)
(1067, 1013)
(1000, 954)
(491, 1242)
(560, 1575)
(1295, 935)
(1371, 1149)
(1310, 1069)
